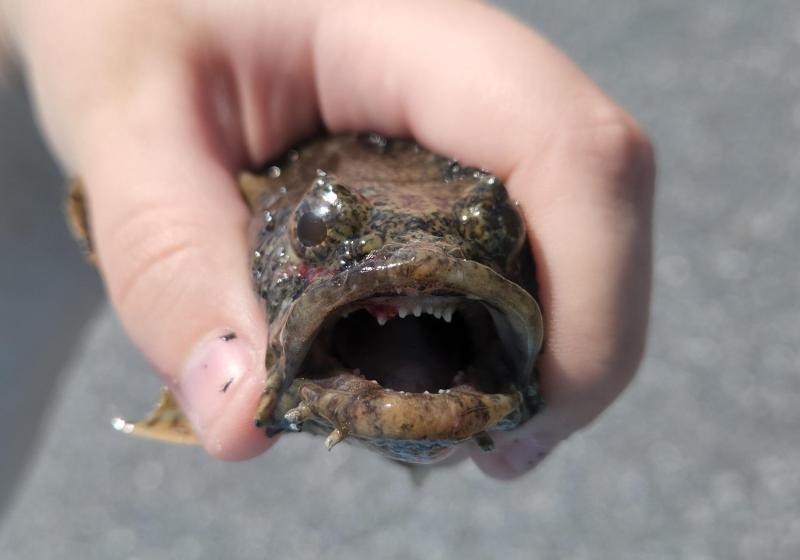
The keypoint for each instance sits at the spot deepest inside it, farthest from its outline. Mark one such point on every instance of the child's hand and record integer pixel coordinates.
(157, 104)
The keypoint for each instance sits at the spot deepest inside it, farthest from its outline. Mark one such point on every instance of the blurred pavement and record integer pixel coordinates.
(46, 290)
(699, 459)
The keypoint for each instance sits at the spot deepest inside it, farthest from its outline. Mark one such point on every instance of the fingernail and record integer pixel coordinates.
(213, 372)
(525, 453)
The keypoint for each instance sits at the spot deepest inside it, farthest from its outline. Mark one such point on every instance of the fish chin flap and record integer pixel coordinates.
(410, 427)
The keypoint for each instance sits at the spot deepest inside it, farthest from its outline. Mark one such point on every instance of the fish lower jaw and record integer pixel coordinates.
(411, 427)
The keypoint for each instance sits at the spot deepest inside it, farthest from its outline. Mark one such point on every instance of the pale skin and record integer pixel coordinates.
(157, 105)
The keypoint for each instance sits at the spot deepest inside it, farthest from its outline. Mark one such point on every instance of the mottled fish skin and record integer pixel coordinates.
(349, 217)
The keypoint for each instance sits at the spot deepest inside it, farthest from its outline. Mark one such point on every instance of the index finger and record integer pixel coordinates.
(471, 82)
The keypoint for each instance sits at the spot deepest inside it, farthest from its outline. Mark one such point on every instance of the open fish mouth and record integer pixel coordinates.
(411, 353)
(416, 343)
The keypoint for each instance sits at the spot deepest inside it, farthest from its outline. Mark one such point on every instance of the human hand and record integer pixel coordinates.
(158, 104)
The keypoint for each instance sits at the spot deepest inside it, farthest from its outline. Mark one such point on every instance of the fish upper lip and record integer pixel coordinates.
(412, 271)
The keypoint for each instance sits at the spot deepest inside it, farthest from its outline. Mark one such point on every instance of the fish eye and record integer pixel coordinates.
(489, 221)
(510, 220)
(327, 217)
(311, 230)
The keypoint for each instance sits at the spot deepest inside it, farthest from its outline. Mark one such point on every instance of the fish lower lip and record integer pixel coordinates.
(345, 405)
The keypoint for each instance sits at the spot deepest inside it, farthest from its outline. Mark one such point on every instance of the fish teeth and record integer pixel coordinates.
(416, 306)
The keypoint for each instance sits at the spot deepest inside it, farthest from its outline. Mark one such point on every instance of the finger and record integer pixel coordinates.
(170, 232)
(593, 254)
(471, 82)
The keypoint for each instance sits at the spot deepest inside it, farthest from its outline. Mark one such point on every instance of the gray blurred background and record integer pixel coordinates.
(700, 459)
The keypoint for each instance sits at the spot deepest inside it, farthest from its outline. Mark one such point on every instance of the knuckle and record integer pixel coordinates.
(145, 257)
(616, 146)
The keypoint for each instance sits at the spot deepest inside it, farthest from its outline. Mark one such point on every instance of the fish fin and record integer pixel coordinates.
(77, 214)
(253, 187)
(166, 422)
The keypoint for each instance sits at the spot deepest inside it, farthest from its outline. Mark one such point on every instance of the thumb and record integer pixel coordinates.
(170, 232)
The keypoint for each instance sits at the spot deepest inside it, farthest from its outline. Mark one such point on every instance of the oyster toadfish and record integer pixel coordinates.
(399, 291)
